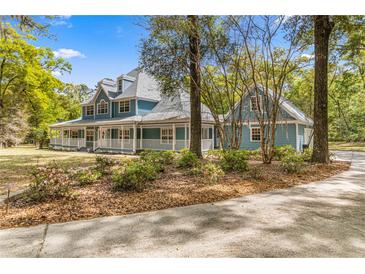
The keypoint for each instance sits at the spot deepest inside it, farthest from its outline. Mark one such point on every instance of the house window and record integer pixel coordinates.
(89, 135)
(125, 134)
(89, 110)
(255, 101)
(120, 85)
(74, 134)
(124, 106)
(166, 135)
(102, 107)
(205, 133)
(255, 134)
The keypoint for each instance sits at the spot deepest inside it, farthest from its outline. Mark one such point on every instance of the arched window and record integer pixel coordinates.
(103, 107)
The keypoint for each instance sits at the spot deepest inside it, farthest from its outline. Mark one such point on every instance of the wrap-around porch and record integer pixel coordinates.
(128, 138)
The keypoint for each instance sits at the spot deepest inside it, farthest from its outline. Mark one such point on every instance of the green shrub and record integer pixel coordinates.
(87, 176)
(212, 172)
(134, 176)
(188, 159)
(234, 160)
(254, 154)
(307, 154)
(214, 153)
(104, 164)
(48, 182)
(159, 159)
(282, 151)
(292, 163)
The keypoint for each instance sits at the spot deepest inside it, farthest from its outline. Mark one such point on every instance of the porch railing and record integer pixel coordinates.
(154, 144)
(69, 142)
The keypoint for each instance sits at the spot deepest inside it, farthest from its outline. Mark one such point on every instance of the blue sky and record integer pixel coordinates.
(96, 46)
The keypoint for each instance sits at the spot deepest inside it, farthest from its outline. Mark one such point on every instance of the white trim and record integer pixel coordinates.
(129, 103)
(136, 101)
(255, 141)
(260, 103)
(107, 108)
(141, 136)
(134, 137)
(297, 136)
(172, 140)
(89, 105)
(173, 136)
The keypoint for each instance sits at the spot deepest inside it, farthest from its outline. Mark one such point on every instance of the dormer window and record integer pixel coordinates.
(90, 110)
(255, 103)
(120, 85)
(103, 107)
(124, 106)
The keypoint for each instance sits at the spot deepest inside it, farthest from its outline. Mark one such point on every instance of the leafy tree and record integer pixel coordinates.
(172, 54)
(26, 79)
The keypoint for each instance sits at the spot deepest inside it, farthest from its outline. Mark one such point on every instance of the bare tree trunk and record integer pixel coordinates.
(322, 31)
(195, 86)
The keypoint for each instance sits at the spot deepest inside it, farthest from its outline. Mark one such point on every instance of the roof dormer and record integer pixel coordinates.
(124, 81)
(107, 82)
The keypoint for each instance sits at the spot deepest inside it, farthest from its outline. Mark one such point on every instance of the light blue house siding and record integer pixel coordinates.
(285, 135)
(84, 116)
(248, 115)
(102, 96)
(144, 107)
(132, 109)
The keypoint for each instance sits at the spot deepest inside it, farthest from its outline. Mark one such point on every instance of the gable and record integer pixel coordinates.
(249, 115)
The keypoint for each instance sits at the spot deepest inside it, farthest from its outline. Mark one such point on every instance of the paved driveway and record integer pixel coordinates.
(323, 219)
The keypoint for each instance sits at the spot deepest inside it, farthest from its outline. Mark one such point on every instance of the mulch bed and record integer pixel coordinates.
(174, 188)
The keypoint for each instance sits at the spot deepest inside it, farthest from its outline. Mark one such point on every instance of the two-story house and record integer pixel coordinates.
(130, 114)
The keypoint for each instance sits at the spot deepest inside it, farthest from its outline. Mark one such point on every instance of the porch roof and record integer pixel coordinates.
(101, 122)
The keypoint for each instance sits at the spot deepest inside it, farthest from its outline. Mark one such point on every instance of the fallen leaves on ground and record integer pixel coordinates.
(174, 188)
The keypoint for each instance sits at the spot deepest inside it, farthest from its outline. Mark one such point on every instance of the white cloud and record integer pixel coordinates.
(56, 73)
(309, 56)
(68, 53)
(62, 20)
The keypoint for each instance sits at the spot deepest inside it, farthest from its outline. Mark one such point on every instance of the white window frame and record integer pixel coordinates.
(259, 101)
(98, 105)
(255, 141)
(72, 134)
(122, 136)
(120, 84)
(169, 141)
(86, 110)
(207, 132)
(88, 135)
(124, 102)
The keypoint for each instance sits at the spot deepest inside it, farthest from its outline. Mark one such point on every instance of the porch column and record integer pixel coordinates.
(186, 135)
(189, 134)
(212, 137)
(84, 136)
(62, 136)
(122, 142)
(173, 136)
(134, 137)
(141, 138)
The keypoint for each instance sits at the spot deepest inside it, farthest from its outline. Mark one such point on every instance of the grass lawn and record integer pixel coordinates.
(347, 146)
(15, 163)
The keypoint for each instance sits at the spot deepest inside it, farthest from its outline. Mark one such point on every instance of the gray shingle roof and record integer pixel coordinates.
(98, 122)
(175, 107)
(144, 86)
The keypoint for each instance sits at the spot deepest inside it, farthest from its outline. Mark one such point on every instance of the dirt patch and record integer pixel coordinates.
(174, 188)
